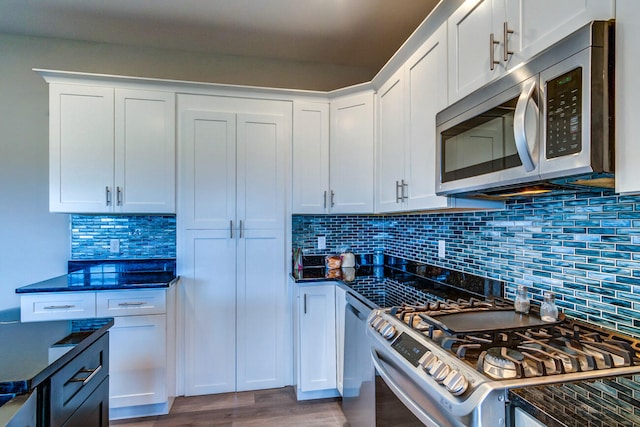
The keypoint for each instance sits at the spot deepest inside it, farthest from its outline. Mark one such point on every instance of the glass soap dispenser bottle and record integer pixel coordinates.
(548, 309)
(522, 303)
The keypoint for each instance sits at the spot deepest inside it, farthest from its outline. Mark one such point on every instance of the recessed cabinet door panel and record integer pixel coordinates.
(261, 316)
(145, 151)
(80, 148)
(138, 356)
(262, 162)
(208, 274)
(469, 49)
(208, 168)
(209, 278)
(427, 81)
(391, 144)
(310, 157)
(351, 154)
(317, 314)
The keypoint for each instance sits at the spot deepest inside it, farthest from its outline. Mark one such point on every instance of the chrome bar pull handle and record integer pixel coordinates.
(492, 56)
(119, 196)
(333, 198)
(92, 373)
(305, 303)
(325, 199)
(398, 197)
(405, 186)
(58, 307)
(241, 230)
(231, 229)
(107, 195)
(505, 33)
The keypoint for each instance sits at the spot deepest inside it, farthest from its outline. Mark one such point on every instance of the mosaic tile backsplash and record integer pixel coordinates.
(140, 236)
(584, 247)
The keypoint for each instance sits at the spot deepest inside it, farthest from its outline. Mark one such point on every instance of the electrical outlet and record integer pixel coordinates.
(322, 242)
(114, 246)
(441, 248)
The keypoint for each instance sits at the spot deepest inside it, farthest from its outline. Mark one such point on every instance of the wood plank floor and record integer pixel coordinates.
(275, 407)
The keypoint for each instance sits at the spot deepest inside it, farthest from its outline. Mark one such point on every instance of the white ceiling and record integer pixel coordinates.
(362, 33)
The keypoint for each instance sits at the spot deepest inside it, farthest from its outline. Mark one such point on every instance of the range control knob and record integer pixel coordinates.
(376, 322)
(456, 383)
(439, 371)
(428, 360)
(388, 331)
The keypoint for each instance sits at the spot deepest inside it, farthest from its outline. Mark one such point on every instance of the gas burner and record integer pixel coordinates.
(501, 363)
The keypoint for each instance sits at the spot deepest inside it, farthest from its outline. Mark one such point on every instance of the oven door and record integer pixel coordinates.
(490, 144)
(397, 392)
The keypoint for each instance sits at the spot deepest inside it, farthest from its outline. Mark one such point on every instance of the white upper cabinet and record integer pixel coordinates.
(627, 96)
(333, 155)
(351, 154)
(111, 150)
(406, 144)
(80, 148)
(144, 151)
(310, 157)
(391, 145)
(471, 30)
(489, 37)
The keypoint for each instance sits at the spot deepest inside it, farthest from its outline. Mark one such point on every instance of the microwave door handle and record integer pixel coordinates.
(519, 131)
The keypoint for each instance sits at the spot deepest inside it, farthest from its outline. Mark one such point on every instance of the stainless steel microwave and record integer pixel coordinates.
(543, 122)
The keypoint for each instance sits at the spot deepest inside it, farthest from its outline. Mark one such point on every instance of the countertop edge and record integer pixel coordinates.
(98, 288)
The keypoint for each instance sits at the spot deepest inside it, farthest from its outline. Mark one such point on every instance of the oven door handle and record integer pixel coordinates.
(519, 127)
(381, 367)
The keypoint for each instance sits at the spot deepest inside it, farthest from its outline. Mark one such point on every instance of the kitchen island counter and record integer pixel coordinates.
(32, 352)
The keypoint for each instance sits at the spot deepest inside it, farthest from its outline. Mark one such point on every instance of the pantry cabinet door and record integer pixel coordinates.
(81, 150)
(208, 170)
(262, 312)
(144, 151)
(263, 161)
(208, 274)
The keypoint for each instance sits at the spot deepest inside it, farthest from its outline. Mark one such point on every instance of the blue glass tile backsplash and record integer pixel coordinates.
(584, 247)
(140, 236)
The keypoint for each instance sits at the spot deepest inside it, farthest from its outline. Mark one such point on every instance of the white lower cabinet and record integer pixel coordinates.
(141, 345)
(138, 366)
(316, 341)
(141, 342)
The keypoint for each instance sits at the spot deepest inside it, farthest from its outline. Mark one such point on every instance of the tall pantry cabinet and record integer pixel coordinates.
(233, 168)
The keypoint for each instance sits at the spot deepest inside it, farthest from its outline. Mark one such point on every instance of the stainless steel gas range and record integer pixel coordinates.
(453, 363)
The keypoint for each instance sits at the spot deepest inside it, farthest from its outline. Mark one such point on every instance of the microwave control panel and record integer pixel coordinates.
(564, 114)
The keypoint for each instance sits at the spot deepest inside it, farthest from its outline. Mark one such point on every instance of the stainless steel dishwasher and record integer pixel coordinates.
(359, 399)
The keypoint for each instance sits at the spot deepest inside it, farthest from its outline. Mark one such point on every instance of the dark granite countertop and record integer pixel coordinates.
(608, 402)
(382, 284)
(31, 352)
(98, 275)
